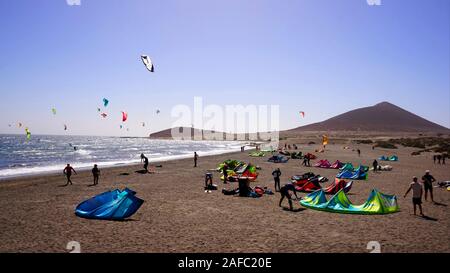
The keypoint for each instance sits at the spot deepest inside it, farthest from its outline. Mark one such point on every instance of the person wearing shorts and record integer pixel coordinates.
(417, 195)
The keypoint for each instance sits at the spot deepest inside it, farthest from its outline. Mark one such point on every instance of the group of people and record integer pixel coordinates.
(306, 160)
(68, 173)
(418, 190)
(439, 159)
(288, 146)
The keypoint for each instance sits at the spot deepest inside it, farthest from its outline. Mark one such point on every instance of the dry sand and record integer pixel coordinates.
(178, 216)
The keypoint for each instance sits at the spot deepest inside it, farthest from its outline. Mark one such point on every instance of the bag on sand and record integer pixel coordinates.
(229, 192)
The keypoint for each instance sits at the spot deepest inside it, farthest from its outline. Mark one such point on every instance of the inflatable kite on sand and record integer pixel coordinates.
(391, 158)
(377, 203)
(110, 205)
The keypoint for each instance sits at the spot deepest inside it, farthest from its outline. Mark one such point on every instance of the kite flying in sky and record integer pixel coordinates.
(302, 113)
(147, 62)
(157, 111)
(105, 102)
(104, 115)
(65, 127)
(54, 111)
(124, 116)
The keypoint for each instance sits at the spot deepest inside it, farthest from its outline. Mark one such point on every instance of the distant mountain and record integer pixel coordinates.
(382, 117)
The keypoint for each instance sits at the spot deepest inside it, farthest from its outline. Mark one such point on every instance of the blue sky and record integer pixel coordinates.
(323, 57)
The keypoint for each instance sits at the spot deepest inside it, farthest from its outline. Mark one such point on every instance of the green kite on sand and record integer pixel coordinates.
(377, 203)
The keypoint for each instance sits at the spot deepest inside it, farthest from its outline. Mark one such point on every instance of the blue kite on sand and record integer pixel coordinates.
(110, 205)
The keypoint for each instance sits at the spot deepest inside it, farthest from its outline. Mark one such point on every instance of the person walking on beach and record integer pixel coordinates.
(276, 177)
(225, 173)
(359, 152)
(439, 161)
(434, 159)
(443, 159)
(195, 159)
(428, 180)
(68, 172)
(96, 174)
(417, 194)
(375, 165)
(305, 160)
(145, 160)
(308, 160)
(285, 193)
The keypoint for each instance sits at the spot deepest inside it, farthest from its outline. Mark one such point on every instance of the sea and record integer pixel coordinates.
(50, 153)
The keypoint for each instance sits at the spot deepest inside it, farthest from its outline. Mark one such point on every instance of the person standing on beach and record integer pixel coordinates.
(305, 160)
(68, 172)
(145, 160)
(276, 177)
(443, 159)
(96, 174)
(428, 180)
(225, 173)
(417, 194)
(359, 152)
(434, 159)
(195, 159)
(439, 161)
(375, 165)
(285, 192)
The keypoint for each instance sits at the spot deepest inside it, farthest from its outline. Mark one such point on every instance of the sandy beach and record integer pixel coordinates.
(178, 216)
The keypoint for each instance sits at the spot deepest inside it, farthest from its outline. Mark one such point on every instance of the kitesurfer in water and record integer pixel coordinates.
(68, 172)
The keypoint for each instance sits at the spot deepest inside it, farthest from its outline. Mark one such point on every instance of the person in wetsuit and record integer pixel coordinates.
(96, 174)
(428, 180)
(276, 177)
(285, 192)
(145, 160)
(195, 159)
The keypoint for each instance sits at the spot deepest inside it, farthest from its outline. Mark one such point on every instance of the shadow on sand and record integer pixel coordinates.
(294, 210)
(439, 204)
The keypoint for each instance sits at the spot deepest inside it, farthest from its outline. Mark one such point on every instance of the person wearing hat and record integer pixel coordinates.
(417, 195)
(428, 180)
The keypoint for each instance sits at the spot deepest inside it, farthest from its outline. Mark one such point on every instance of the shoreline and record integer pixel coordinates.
(115, 165)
